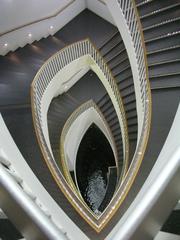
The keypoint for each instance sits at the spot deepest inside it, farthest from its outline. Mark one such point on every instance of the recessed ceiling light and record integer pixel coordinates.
(5, 44)
(29, 35)
(51, 27)
(65, 87)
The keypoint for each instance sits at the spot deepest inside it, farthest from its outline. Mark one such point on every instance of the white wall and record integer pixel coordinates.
(14, 13)
(98, 7)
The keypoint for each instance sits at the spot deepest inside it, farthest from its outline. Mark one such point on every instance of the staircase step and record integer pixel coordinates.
(163, 28)
(147, 7)
(118, 59)
(29, 55)
(116, 131)
(132, 121)
(164, 54)
(118, 137)
(128, 98)
(105, 99)
(116, 33)
(108, 112)
(160, 10)
(160, 15)
(107, 106)
(120, 67)
(49, 49)
(122, 71)
(126, 83)
(114, 49)
(120, 154)
(53, 43)
(114, 54)
(117, 40)
(166, 67)
(113, 122)
(169, 80)
(132, 129)
(127, 91)
(131, 114)
(163, 41)
(120, 147)
(128, 101)
(131, 106)
(140, 3)
(111, 117)
(115, 127)
(126, 74)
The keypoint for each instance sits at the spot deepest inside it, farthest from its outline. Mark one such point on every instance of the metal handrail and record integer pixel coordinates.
(15, 191)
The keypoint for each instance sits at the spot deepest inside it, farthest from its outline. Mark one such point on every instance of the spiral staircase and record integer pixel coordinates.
(41, 212)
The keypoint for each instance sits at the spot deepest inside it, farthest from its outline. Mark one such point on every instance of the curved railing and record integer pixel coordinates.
(81, 109)
(127, 19)
(136, 48)
(44, 79)
(58, 62)
(134, 25)
(166, 168)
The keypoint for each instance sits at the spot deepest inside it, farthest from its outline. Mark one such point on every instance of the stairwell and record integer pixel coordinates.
(161, 28)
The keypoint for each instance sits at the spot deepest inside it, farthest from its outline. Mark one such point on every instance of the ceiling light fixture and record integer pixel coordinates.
(5, 44)
(51, 27)
(29, 35)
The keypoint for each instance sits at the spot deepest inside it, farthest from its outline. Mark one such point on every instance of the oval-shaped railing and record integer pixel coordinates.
(42, 81)
(81, 109)
(143, 97)
(54, 65)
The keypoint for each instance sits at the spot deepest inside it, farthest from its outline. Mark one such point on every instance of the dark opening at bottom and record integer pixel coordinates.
(94, 158)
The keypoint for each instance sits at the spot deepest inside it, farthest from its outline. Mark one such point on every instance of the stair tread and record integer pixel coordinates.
(161, 23)
(162, 29)
(157, 11)
(160, 16)
(111, 44)
(164, 49)
(148, 6)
